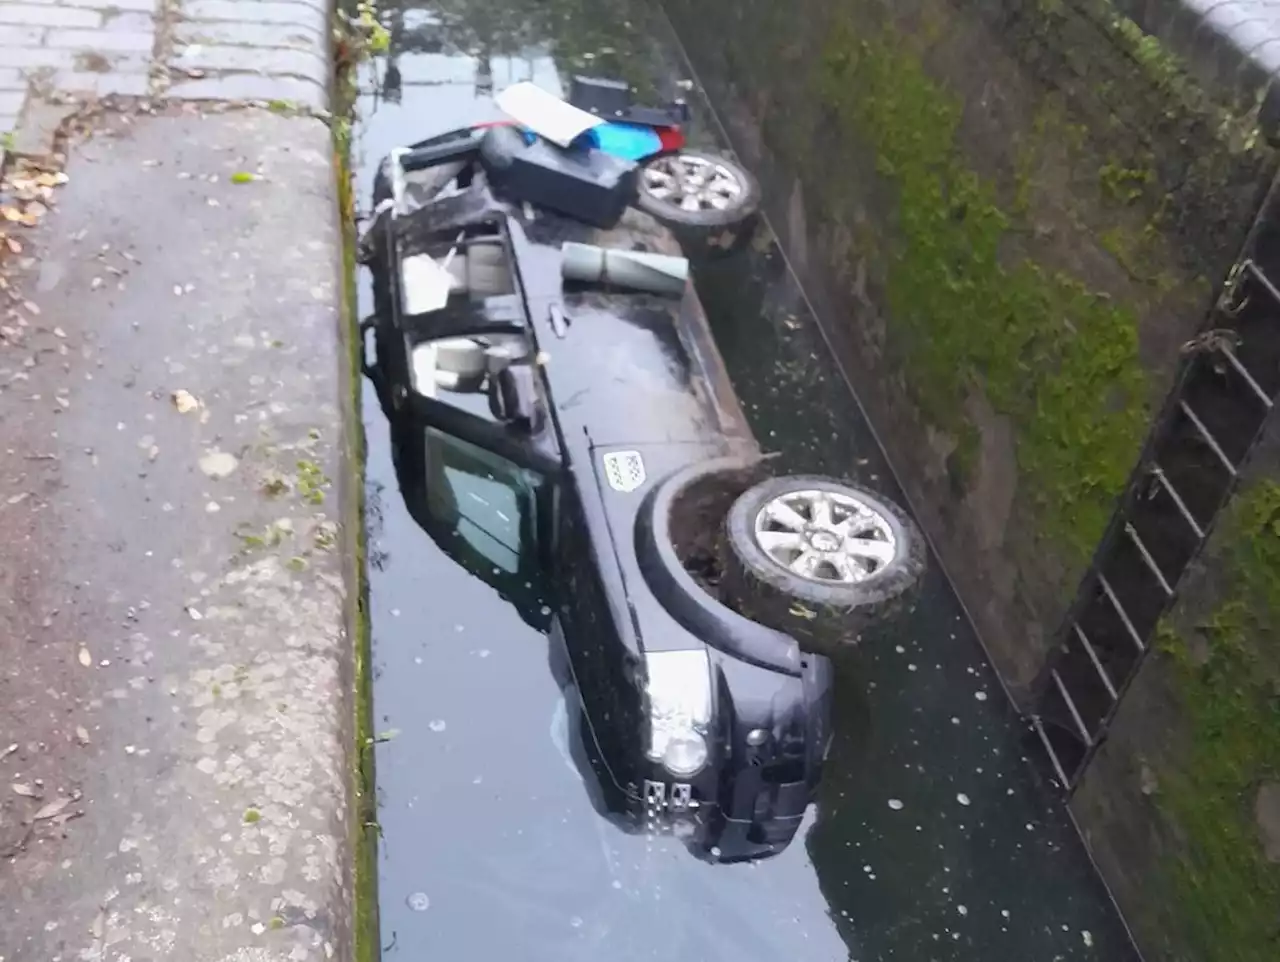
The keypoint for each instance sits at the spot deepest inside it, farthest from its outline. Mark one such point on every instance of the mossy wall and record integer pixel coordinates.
(1181, 805)
(1010, 215)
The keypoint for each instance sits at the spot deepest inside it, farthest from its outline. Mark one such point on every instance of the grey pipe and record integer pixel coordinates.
(652, 273)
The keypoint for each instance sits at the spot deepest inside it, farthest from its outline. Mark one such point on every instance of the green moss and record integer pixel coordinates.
(1124, 184)
(311, 482)
(1140, 254)
(1059, 359)
(1168, 73)
(1161, 65)
(1227, 673)
(364, 840)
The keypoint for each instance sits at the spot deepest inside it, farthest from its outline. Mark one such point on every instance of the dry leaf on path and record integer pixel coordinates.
(51, 809)
(185, 401)
(26, 791)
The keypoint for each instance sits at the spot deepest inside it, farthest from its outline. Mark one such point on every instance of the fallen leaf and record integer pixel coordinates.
(185, 401)
(14, 245)
(86, 659)
(10, 750)
(82, 735)
(51, 809)
(26, 791)
(18, 498)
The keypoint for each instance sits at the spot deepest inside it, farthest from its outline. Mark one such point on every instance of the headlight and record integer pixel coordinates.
(685, 755)
(679, 694)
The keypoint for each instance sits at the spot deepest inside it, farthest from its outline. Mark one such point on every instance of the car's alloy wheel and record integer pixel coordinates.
(819, 558)
(696, 189)
(830, 537)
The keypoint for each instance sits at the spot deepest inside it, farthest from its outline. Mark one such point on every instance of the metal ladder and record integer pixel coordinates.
(1225, 390)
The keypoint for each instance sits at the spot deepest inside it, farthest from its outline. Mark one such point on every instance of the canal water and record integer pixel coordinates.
(934, 837)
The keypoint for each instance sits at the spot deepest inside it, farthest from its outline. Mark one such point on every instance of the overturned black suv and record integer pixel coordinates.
(695, 589)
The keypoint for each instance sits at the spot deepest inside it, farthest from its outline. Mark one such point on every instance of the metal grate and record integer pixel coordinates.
(1214, 416)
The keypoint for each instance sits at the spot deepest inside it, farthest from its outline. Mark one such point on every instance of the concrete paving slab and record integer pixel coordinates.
(174, 662)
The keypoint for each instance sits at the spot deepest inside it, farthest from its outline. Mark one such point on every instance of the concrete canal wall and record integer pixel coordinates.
(1012, 215)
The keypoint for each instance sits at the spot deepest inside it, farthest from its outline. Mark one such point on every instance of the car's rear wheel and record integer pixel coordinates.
(709, 201)
(818, 558)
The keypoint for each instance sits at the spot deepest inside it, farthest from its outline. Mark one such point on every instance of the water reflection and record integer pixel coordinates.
(933, 838)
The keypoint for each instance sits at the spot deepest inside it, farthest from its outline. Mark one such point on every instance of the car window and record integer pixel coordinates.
(488, 500)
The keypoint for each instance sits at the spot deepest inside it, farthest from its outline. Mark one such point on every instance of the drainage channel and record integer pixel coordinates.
(933, 838)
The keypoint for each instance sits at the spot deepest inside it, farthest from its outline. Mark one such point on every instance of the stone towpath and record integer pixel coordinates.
(175, 567)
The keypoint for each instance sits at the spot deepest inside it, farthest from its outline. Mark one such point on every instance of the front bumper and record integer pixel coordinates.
(770, 737)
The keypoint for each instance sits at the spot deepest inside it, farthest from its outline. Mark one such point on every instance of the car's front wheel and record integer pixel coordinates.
(819, 558)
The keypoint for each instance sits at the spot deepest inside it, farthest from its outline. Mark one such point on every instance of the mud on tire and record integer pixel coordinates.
(824, 610)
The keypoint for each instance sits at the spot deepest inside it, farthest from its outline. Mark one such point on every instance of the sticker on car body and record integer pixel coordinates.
(624, 470)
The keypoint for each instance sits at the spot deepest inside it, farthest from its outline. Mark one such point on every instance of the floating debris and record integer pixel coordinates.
(895, 804)
(962, 798)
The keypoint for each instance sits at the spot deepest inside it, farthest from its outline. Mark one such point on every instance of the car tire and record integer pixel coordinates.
(710, 229)
(825, 608)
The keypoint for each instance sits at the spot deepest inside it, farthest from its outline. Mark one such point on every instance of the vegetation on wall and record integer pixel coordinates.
(1227, 677)
(1059, 359)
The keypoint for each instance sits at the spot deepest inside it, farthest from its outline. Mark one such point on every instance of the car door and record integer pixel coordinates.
(483, 510)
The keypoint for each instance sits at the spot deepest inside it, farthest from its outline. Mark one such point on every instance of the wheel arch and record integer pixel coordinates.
(676, 589)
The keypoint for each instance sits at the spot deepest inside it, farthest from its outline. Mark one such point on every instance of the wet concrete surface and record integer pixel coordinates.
(934, 837)
(173, 725)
